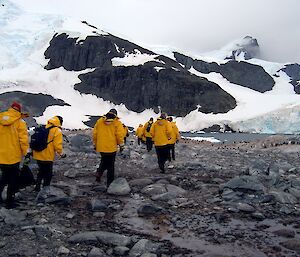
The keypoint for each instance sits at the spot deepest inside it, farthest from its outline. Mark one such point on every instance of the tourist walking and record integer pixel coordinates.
(108, 133)
(14, 145)
(139, 133)
(45, 157)
(161, 133)
(147, 134)
(175, 136)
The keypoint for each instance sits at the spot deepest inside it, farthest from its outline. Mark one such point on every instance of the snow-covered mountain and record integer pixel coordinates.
(59, 66)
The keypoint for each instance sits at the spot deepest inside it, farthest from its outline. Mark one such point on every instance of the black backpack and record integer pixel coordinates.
(148, 127)
(39, 139)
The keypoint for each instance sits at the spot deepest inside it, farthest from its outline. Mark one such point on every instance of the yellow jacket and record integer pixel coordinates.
(175, 133)
(161, 132)
(145, 132)
(139, 131)
(125, 131)
(55, 139)
(107, 135)
(13, 137)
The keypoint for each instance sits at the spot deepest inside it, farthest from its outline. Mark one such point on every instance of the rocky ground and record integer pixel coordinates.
(215, 200)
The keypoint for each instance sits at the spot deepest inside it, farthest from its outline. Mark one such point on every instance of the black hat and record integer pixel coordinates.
(163, 115)
(113, 111)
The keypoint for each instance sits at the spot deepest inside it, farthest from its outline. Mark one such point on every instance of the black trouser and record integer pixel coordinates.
(139, 141)
(10, 175)
(107, 163)
(149, 143)
(45, 173)
(162, 156)
(171, 151)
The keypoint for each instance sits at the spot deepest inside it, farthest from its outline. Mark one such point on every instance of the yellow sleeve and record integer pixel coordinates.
(177, 132)
(95, 134)
(169, 130)
(119, 133)
(152, 130)
(58, 141)
(23, 137)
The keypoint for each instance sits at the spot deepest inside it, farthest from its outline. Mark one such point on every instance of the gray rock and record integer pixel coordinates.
(53, 195)
(245, 183)
(63, 251)
(292, 244)
(97, 252)
(13, 217)
(285, 233)
(121, 250)
(142, 182)
(101, 236)
(283, 197)
(143, 246)
(119, 187)
(149, 210)
(244, 207)
(96, 205)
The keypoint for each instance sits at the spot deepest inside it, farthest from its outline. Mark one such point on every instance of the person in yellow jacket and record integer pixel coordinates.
(108, 133)
(161, 132)
(147, 134)
(125, 132)
(175, 136)
(14, 145)
(139, 133)
(45, 158)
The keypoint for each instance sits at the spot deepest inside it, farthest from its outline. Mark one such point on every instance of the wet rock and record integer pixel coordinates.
(149, 210)
(148, 255)
(258, 216)
(102, 237)
(154, 189)
(292, 244)
(119, 187)
(160, 191)
(258, 167)
(143, 246)
(285, 233)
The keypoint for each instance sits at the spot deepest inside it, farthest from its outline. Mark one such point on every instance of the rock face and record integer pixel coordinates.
(140, 87)
(293, 71)
(240, 73)
(34, 104)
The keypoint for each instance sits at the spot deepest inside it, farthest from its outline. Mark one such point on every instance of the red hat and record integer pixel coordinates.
(16, 106)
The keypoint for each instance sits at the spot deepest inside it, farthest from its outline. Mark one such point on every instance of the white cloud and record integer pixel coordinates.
(194, 26)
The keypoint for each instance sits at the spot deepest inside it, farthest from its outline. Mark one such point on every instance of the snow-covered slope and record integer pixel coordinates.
(24, 38)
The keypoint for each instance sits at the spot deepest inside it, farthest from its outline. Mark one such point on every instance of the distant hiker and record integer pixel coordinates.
(125, 132)
(45, 157)
(139, 133)
(161, 133)
(14, 145)
(108, 133)
(147, 134)
(175, 136)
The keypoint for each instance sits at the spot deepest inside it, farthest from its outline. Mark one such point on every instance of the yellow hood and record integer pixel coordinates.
(9, 117)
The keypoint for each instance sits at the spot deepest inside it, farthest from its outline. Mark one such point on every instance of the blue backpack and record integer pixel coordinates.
(39, 139)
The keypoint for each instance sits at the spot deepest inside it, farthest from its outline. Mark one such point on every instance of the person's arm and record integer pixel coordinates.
(58, 142)
(119, 133)
(95, 134)
(23, 137)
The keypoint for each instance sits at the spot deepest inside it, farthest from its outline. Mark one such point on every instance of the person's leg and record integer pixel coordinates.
(148, 143)
(139, 141)
(48, 173)
(159, 153)
(169, 152)
(12, 184)
(111, 157)
(3, 180)
(39, 176)
(173, 151)
(101, 168)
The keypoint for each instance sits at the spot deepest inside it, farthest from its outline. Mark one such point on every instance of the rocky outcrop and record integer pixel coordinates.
(293, 71)
(34, 104)
(240, 73)
(170, 87)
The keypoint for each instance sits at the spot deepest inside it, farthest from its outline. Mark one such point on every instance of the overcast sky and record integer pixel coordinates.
(194, 26)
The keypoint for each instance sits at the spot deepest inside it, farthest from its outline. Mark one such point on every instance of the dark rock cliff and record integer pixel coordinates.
(240, 73)
(293, 71)
(172, 88)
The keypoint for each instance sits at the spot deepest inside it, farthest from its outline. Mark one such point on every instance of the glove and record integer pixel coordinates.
(122, 146)
(63, 155)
